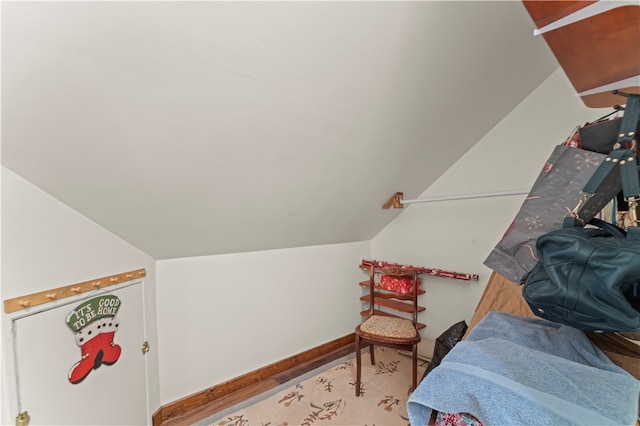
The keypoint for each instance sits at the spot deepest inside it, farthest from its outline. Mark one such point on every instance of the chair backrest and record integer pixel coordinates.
(394, 288)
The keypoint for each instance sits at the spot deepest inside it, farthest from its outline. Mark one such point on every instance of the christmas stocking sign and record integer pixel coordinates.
(95, 324)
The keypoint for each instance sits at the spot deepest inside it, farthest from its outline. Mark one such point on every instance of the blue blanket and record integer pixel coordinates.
(513, 370)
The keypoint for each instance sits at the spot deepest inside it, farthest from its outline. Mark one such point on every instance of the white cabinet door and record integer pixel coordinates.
(112, 393)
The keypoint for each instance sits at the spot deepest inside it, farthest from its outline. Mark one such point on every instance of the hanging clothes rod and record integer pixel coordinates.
(397, 202)
(467, 196)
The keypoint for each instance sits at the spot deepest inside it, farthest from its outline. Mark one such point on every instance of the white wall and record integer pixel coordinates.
(46, 244)
(214, 323)
(458, 235)
(217, 316)
(223, 316)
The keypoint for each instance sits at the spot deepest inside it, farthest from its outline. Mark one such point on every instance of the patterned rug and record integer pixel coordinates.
(328, 398)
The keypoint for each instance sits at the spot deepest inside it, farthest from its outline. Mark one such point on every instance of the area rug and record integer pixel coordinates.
(328, 398)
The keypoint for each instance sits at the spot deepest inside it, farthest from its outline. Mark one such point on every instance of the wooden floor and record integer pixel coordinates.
(253, 390)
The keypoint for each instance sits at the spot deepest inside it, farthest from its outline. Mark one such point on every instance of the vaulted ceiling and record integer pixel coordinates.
(196, 128)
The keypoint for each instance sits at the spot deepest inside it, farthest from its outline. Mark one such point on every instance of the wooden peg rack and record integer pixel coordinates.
(35, 299)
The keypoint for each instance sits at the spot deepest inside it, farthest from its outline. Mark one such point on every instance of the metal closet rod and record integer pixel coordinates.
(467, 196)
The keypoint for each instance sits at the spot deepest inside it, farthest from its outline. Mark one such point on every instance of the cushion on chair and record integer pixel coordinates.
(389, 327)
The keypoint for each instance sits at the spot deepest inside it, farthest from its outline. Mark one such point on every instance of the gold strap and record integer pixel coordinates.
(584, 196)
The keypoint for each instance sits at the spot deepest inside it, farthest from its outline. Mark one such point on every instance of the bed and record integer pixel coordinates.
(512, 367)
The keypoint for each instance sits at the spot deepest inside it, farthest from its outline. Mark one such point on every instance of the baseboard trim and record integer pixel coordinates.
(191, 402)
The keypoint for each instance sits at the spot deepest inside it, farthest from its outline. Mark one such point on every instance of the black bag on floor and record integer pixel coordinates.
(444, 343)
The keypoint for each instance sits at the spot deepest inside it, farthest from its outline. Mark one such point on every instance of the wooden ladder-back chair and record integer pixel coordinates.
(385, 329)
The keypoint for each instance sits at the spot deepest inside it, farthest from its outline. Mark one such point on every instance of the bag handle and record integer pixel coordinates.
(609, 228)
(623, 156)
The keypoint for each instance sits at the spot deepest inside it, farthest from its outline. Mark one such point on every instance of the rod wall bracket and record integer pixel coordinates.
(395, 201)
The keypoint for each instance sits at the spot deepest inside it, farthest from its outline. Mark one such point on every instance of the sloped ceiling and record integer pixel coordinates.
(197, 128)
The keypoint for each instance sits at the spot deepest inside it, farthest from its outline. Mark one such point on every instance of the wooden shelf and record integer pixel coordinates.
(396, 294)
(392, 304)
(379, 312)
(596, 52)
(398, 302)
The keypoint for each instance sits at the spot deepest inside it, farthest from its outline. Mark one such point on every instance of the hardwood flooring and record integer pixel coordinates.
(231, 399)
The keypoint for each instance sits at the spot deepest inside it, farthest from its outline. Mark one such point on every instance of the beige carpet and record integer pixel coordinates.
(328, 398)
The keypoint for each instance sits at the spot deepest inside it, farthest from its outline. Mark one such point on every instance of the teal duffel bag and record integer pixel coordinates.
(587, 277)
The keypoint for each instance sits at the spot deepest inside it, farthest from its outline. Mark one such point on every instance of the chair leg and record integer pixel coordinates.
(415, 367)
(372, 354)
(358, 365)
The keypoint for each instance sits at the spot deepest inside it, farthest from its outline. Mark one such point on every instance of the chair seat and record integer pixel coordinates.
(385, 326)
